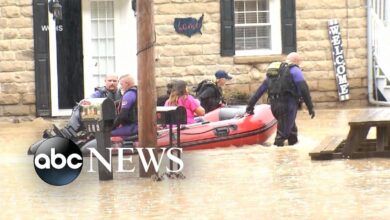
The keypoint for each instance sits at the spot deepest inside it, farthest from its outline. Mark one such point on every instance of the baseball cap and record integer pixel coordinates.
(222, 74)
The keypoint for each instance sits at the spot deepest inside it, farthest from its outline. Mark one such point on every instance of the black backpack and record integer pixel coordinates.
(280, 81)
(203, 85)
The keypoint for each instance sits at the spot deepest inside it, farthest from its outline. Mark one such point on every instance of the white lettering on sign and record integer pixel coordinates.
(338, 60)
(56, 28)
(342, 79)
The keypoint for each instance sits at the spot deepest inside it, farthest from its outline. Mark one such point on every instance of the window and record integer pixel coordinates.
(381, 9)
(103, 39)
(257, 27)
(253, 27)
(386, 12)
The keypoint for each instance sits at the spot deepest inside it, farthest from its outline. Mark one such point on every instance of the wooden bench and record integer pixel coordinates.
(329, 148)
(358, 145)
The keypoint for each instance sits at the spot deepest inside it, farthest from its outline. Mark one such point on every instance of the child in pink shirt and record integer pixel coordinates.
(180, 97)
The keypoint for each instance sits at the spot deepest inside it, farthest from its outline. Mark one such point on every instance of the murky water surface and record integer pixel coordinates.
(250, 182)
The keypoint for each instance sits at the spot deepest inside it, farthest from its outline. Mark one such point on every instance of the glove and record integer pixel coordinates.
(249, 110)
(312, 113)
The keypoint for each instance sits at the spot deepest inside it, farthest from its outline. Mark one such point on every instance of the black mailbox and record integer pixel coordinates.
(97, 116)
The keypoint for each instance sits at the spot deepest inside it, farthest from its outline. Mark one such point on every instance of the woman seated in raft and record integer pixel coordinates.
(180, 97)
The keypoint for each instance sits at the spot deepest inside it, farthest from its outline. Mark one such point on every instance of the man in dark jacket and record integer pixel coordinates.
(210, 93)
(109, 90)
(285, 85)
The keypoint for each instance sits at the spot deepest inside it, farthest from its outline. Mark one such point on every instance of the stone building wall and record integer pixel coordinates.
(17, 88)
(198, 57)
(313, 43)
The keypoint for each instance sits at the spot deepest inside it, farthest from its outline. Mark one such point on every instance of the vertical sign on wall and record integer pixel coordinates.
(338, 60)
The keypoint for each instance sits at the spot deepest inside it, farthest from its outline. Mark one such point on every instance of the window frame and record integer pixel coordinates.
(275, 34)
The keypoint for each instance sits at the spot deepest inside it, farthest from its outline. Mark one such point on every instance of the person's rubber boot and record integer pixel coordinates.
(279, 143)
(292, 140)
(47, 133)
(61, 132)
(71, 132)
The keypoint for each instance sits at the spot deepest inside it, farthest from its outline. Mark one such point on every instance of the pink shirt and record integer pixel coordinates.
(190, 103)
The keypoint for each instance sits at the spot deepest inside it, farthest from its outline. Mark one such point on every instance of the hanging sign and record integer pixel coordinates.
(188, 26)
(338, 60)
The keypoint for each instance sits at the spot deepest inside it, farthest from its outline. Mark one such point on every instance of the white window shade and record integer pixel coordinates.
(103, 39)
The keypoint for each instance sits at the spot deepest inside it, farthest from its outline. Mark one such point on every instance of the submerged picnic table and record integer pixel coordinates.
(357, 144)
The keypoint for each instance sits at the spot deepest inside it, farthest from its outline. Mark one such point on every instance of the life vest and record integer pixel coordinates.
(280, 81)
(114, 96)
(132, 116)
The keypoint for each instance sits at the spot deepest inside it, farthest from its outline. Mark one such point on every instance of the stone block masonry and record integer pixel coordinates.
(200, 53)
(197, 58)
(17, 86)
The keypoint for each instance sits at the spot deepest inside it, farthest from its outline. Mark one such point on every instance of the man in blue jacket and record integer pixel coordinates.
(126, 121)
(285, 85)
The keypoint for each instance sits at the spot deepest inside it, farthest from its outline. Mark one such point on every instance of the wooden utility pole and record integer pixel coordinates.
(147, 127)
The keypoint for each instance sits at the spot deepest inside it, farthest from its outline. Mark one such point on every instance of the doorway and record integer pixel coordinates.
(109, 39)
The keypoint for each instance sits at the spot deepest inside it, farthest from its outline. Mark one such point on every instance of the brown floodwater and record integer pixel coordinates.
(249, 182)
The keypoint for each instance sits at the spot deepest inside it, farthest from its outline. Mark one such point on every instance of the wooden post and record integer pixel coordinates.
(147, 127)
(103, 140)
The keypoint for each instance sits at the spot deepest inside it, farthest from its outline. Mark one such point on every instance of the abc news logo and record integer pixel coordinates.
(58, 161)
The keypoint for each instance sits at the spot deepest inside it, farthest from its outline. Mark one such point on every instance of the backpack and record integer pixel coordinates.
(280, 81)
(203, 85)
(132, 116)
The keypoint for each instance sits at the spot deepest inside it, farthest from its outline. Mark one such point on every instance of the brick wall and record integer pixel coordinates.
(17, 88)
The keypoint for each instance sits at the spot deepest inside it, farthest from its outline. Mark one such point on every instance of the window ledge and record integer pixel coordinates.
(258, 59)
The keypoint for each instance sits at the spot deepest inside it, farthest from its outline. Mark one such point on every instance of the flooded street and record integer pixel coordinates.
(250, 182)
